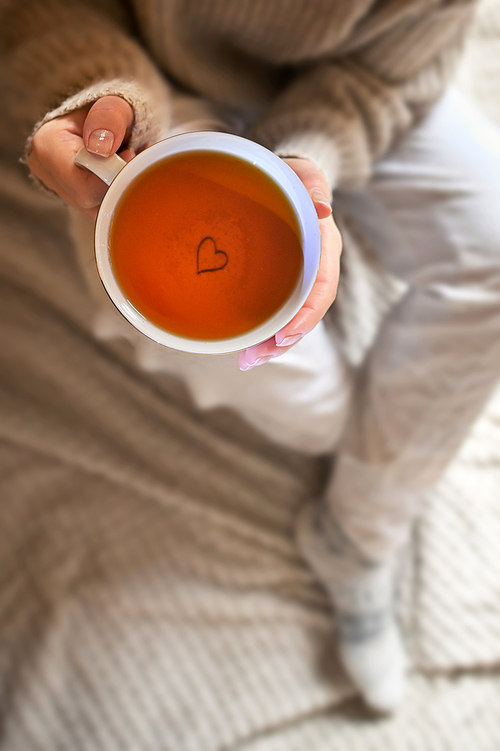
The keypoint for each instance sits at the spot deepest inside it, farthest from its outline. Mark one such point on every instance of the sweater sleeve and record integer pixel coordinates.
(58, 55)
(344, 113)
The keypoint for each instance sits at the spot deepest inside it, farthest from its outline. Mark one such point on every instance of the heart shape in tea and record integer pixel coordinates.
(209, 258)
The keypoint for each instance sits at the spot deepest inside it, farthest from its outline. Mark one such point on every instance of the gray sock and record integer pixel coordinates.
(362, 595)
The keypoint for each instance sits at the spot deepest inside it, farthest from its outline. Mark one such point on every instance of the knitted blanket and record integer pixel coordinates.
(151, 594)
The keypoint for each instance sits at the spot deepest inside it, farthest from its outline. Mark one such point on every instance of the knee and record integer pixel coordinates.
(317, 435)
(310, 420)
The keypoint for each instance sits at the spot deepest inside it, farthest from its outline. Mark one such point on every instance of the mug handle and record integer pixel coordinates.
(106, 168)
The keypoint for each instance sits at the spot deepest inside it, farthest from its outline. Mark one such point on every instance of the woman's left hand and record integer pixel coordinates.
(325, 287)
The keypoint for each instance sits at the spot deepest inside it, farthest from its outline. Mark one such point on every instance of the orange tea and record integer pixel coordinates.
(205, 245)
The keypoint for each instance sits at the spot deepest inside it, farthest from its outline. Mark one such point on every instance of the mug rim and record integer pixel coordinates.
(261, 158)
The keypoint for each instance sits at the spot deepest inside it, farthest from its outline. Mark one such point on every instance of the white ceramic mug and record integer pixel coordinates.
(119, 174)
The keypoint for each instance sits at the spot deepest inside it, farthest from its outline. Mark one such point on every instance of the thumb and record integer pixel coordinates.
(321, 200)
(315, 183)
(107, 124)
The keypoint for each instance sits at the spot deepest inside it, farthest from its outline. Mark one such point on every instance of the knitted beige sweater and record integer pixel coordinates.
(335, 81)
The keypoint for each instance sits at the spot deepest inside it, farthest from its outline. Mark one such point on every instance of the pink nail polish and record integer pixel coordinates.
(321, 202)
(319, 197)
(262, 360)
(256, 363)
(101, 142)
(289, 340)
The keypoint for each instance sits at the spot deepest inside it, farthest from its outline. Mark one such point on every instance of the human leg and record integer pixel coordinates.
(436, 359)
(431, 214)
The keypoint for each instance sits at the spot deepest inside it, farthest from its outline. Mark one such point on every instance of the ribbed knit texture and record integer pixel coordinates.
(151, 596)
(337, 81)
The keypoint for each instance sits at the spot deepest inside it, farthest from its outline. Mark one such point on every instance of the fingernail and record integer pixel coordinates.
(289, 340)
(319, 196)
(258, 361)
(319, 199)
(101, 142)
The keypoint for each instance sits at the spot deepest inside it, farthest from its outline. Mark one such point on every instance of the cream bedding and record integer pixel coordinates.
(151, 596)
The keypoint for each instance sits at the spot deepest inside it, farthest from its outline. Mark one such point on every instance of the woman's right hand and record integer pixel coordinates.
(102, 128)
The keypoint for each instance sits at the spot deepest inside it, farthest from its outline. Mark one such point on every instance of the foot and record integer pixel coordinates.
(361, 591)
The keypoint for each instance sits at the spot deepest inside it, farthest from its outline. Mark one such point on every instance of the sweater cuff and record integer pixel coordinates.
(154, 117)
(317, 148)
(150, 117)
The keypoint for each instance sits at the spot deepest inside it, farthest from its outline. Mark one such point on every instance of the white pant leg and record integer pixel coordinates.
(299, 400)
(433, 212)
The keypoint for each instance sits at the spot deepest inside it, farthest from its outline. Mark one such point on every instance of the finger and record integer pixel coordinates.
(107, 125)
(324, 288)
(52, 161)
(316, 185)
(321, 203)
(52, 158)
(78, 195)
(313, 310)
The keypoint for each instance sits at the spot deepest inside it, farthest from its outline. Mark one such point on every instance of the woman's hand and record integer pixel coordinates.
(325, 287)
(101, 128)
